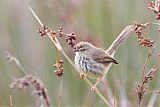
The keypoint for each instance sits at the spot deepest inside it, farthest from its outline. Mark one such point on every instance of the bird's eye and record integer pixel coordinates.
(82, 49)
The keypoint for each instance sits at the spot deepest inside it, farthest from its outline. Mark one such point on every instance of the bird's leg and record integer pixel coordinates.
(82, 75)
(94, 88)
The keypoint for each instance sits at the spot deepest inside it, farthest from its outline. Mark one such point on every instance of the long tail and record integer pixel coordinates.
(119, 40)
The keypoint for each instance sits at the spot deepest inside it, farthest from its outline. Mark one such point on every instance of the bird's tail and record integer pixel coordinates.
(119, 40)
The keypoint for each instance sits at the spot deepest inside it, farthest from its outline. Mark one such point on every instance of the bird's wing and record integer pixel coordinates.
(101, 56)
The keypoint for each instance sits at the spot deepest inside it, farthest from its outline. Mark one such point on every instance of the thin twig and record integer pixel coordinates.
(145, 63)
(115, 94)
(154, 23)
(11, 102)
(60, 93)
(13, 59)
(152, 100)
(41, 101)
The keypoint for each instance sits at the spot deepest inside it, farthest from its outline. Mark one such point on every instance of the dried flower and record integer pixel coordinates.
(45, 29)
(154, 6)
(30, 80)
(60, 33)
(143, 88)
(70, 38)
(60, 70)
(149, 75)
(139, 28)
(143, 41)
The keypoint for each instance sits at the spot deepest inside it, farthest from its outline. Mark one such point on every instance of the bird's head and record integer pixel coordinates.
(83, 47)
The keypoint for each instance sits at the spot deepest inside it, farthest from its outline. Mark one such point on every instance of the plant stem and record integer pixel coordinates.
(11, 102)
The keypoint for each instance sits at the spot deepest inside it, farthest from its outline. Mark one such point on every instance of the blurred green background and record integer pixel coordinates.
(96, 21)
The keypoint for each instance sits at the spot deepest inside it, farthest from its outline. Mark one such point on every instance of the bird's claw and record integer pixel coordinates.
(94, 88)
(82, 75)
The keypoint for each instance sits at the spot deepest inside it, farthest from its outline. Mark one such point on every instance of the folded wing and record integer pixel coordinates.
(102, 57)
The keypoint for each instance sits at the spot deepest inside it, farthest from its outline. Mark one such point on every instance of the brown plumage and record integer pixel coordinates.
(92, 61)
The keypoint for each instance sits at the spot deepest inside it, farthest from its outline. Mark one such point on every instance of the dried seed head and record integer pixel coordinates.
(149, 76)
(139, 28)
(45, 29)
(143, 88)
(61, 61)
(30, 80)
(70, 38)
(59, 68)
(154, 6)
(143, 41)
(59, 72)
(146, 42)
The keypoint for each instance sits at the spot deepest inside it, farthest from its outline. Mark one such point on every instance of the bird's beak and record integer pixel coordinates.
(75, 50)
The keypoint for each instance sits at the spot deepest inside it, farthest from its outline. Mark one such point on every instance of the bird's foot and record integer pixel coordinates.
(94, 88)
(82, 75)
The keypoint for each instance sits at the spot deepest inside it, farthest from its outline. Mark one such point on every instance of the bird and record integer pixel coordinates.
(92, 61)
